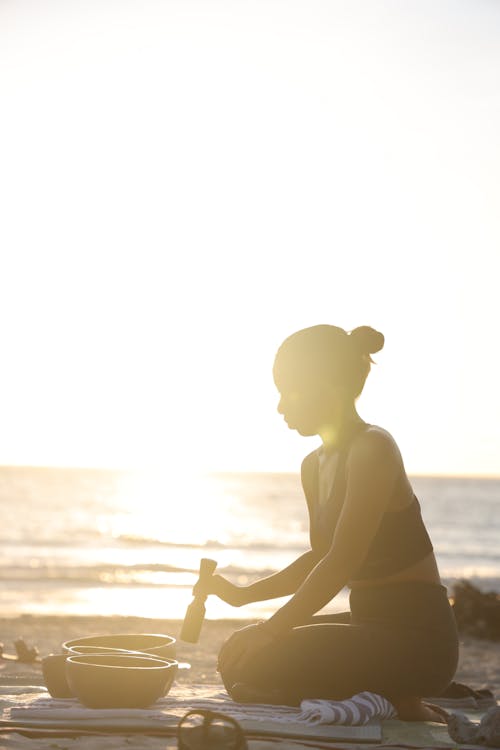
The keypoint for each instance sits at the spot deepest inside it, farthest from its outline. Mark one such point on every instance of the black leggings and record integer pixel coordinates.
(399, 640)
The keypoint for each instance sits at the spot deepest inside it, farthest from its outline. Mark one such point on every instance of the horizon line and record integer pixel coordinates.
(204, 472)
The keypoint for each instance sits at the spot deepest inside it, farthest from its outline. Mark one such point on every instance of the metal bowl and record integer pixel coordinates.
(119, 680)
(155, 644)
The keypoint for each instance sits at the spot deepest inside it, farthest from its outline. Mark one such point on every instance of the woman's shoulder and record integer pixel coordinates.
(375, 432)
(375, 441)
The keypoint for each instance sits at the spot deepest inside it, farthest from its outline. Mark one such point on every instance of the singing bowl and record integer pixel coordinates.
(154, 644)
(54, 675)
(119, 680)
(54, 668)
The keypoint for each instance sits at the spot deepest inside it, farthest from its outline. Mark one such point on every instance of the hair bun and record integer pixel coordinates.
(367, 339)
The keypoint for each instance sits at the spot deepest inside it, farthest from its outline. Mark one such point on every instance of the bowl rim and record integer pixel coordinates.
(170, 640)
(156, 662)
(103, 650)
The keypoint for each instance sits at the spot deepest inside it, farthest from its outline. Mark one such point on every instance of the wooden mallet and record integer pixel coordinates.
(195, 613)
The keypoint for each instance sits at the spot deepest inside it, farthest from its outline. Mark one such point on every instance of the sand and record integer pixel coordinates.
(479, 667)
(479, 664)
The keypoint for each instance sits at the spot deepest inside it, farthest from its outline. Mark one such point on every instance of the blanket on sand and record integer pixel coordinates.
(37, 710)
(30, 708)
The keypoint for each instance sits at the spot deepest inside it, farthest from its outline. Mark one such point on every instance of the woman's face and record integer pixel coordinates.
(308, 404)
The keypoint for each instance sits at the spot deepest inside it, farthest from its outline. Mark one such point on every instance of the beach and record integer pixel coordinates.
(479, 665)
(84, 551)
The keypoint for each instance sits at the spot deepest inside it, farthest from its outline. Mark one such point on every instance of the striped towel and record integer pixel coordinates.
(357, 710)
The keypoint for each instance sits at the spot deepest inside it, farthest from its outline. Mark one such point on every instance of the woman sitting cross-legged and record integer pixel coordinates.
(399, 640)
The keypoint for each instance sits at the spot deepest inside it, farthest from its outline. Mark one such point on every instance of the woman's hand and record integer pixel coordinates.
(240, 649)
(234, 595)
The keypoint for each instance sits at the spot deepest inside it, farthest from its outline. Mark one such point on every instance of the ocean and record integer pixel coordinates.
(101, 542)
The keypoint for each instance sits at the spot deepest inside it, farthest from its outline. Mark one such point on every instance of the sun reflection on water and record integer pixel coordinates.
(176, 509)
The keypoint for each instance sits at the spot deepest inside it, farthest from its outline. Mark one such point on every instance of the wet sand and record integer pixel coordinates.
(479, 664)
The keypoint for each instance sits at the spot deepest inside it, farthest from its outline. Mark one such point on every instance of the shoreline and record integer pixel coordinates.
(478, 667)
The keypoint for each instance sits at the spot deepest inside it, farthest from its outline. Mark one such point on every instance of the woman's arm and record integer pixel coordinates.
(372, 470)
(283, 583)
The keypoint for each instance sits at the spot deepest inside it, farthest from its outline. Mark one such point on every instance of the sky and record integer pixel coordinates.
(184, 183)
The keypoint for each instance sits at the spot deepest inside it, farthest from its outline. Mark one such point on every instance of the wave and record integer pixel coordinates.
(156, 575)
(240, 544)
(141, 541)
(127, 575)
(48, 567)
(480, 556)
(128, 540)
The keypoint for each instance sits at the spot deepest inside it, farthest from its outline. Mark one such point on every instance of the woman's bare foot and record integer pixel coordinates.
(414, 709)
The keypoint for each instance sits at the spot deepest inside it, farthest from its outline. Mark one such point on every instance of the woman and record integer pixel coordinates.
(366, 532)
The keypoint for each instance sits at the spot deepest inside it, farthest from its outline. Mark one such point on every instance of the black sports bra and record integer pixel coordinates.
(401, 539)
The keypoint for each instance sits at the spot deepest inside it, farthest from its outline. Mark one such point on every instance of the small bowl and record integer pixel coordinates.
(54, 675)
(120, 680)
(155, 644)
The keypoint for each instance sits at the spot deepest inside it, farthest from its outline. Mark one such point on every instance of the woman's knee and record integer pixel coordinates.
(228, 672)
